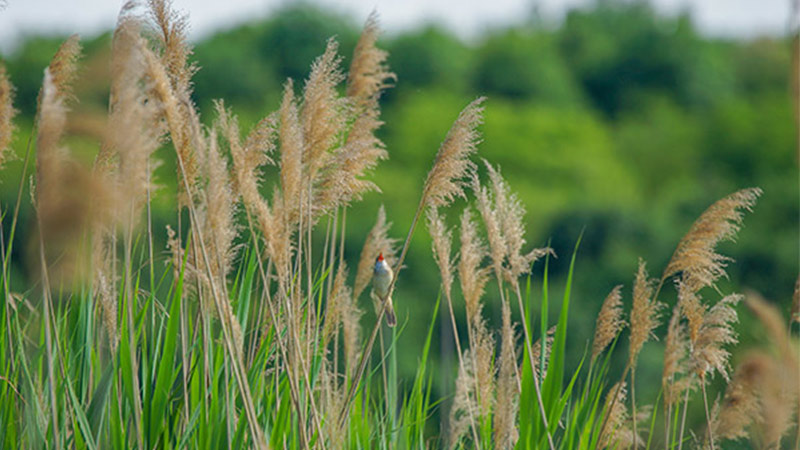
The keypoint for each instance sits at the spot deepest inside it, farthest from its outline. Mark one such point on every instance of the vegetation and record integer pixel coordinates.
(248, 331)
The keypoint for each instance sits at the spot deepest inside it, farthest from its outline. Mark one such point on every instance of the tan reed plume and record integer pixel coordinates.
(465, 403)
(707, 351)
(674, 381)
(7, 113)
(505, 416)
(795, 311)
(616, 432)
(741, 405)
(695, 254)
(368, 76)
(172, 34)
(446, 180)
(248, 158)
(472, 276)
(609, 322)
(324, 113)
(441, 243)
(290, 136)
(644, 313)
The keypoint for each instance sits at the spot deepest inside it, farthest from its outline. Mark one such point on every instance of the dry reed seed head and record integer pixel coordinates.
(441, 245)
(446, 179)
(324, 114)
(741, 406)
(333, 310)
(485, 201)
(676, 363)
(134, 130)
(695, 254)
(795, 312)
(369, 74)
(775, 325)
(465, 403)
(692, 308)
(172, 34)
(377, 242)
(505, 416)
(290, 136)
(616, 432)
(472, 276)
(63, 67)
(7, 113)
(219, 215)
(609, 322)
(708, 352)
(644, 313)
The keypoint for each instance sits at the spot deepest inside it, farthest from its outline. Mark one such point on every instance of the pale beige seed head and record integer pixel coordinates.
(796, 302)
(369, 73)
(676, 360)
(708, 352)
(172, 34)
(505, 418)
(220, 208)
(609, 322)
(7, 113)
(63, 67)
(377, 242)
(465, 403)
(695, 254)
(472, 276)
(324, 113)
(446, 180)
(741, 406)
(692, 308)
(441, 244)
(290, 136)
(616, 432)
(644, 314)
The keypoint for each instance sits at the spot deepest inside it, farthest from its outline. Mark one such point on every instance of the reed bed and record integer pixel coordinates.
(246, 333)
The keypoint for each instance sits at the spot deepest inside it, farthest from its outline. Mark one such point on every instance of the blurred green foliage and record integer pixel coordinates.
(619, 122)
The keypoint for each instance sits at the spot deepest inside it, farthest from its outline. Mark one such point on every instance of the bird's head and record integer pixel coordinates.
(379, 258)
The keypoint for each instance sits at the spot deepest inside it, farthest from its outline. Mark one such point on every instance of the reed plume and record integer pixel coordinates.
(707, 350)
(674, 381)
(644, 314)
(441, 242)
(248, 158)
(609, 322)
(505, 417)
(472, 276)
(7, 113)
(695, 254)
(446, 180)
(615, 432)
(343, 182)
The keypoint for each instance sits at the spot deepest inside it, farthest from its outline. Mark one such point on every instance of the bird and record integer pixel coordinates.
(381, 281)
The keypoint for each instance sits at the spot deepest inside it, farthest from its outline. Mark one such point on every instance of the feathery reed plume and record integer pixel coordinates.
(465, 404)
(695, 254)
(505, 417)
(134, 129)
(644, 314)
(741, 406)
(64, 67)
(692, 309)
(609, 322)
(377, 242)
(171, 33)
(707, 352)
(676, 353)
(248, 158)
(472, 276)
(795, 312)
(324, 113)
(536, 352)
(441, 246)
(497, 248)
(446, 181)
(775, 325)
(218, 214)
(342, 312)
(7, 113)
(509, 213)
(290, 136)
(368, 76)
(615, 432)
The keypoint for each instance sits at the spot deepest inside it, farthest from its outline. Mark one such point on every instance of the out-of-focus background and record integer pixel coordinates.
(621, 119)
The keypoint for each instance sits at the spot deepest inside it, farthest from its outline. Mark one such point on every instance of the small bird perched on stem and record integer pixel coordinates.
(381, 280)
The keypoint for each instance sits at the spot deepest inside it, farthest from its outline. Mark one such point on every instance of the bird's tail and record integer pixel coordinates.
(391, 319)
